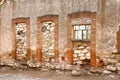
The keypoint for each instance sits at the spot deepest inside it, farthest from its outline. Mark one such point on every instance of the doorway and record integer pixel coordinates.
(47, 38)
(21, 39)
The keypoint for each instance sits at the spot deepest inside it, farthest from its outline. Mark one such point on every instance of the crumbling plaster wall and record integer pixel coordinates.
(35, 8)
(106, 26)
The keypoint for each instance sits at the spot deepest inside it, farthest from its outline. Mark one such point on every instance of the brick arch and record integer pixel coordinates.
(93, 36)
(20, 20)
(53, 18)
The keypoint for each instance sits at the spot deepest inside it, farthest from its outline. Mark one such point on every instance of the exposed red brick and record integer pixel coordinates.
(20, 20)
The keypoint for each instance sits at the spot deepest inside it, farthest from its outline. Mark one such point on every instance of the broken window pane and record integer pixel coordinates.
(84, 35)
(81, 32)
(82, 27)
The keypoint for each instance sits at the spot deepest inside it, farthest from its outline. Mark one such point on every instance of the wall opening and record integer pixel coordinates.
(82, 38)
(48, 41)
(21, 39)
(47, 38)
(81, 43)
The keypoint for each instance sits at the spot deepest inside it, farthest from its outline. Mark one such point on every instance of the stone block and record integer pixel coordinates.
(68, 67)
(82, 58)
(79, 62)
(75, 73)
(75, 59)
(75, 55)
(58, 66)
(107, 72)
(88, 54)
(84, 51)
(81, 47)
(111, 68)
(81, 54)
(87, 57)
(88, 48)
(77, 51)
(118, 72)
(118, 66)
(112, 60)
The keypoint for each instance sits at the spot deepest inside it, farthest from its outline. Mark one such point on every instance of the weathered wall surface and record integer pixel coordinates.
(35, 8)
(106, 26)
(68, 7)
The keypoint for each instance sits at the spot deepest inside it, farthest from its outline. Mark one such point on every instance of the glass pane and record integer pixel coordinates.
(77, 27)
(84, 35)
(74, 27)
(88, 26)
(88, 34)
(76, 34)
(80, 35)
(82, 27)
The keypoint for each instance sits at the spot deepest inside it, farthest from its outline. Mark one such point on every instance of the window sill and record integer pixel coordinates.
(80, 40)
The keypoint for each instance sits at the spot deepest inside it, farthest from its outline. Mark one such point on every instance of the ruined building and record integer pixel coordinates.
(73, 32)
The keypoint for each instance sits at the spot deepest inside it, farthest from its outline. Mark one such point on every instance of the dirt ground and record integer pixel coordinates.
(11, 74)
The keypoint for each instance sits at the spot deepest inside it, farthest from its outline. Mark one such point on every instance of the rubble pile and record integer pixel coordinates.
(112, 63)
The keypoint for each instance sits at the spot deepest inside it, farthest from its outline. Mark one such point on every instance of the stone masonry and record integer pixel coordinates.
(21, 40)
(81, 54)
(102, 49)
(48, 41)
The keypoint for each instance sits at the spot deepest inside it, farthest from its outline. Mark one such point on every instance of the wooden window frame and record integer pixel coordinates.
(53, 18)
(20, 20)
(91, 15)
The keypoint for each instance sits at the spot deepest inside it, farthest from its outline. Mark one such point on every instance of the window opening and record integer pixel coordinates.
(81, 32)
